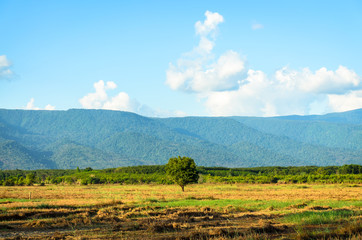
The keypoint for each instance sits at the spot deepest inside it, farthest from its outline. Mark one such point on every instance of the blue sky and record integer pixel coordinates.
(177, 58)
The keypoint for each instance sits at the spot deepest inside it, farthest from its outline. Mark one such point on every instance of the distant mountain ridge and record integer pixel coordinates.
(105, 139)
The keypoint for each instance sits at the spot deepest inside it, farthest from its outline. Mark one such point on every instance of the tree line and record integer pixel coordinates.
(157, 174)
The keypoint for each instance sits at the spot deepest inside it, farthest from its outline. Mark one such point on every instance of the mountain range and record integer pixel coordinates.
(82, 138)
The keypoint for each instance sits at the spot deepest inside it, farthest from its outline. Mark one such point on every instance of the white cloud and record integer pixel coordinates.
(30, 106)
(222, 87)
(49, 107)
(4, 62)
(210, 23)
(322, 81)
(5, 72)
(289, 92)
(97, 99)
(249, 99)
(205, 46)
(199, 70)
(100, 99)
(120, 102)
(346, 102)
(256, 26)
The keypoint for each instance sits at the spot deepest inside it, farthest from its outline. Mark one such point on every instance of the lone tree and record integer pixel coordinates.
(182, 171)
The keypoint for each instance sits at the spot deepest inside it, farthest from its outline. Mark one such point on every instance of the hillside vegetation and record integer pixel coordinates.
(110, 139)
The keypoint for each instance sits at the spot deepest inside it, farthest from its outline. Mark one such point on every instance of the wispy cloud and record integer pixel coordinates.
(5, 72)
(257, 26)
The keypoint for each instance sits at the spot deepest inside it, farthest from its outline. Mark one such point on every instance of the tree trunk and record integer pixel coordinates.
(182, 187)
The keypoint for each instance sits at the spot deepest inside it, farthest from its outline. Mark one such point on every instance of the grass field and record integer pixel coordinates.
(203, 211)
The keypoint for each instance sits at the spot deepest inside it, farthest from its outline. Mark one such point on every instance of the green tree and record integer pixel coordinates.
(182, 171)
(30, 179)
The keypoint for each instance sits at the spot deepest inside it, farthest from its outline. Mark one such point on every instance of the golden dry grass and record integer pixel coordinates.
(94, 194)
(203, 211)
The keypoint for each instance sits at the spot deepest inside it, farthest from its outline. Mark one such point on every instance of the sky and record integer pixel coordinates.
(182, 58)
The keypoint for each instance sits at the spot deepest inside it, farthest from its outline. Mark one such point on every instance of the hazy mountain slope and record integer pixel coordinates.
(13, 155)
(103, 139)
(263, 148)
(349, 117)
(69, 155)
(333, 135)
(128, 136)
(88, 126)
(152, 150)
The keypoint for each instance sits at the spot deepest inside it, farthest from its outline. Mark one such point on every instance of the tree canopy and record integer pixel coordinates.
(182, 171)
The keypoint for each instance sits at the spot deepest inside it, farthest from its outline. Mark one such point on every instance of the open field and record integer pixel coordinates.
(203, 211)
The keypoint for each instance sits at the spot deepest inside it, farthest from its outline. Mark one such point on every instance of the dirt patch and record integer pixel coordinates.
(16, 216)
(268, 227)
(159, 227)
(5, 227)
(319, 208)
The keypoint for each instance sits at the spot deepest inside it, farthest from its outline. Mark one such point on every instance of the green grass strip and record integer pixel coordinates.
(317, 217)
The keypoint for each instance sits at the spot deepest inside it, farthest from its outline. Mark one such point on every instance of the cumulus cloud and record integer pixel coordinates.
(120, 102)
(289, 92)
(322, 81)
(5, 71)
(346, 102)
(100, 99)
(30, 106)
(227, 88)
(199, 70)
(210, 23)
(97, 99)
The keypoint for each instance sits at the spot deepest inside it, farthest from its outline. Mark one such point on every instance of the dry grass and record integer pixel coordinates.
(94, 194)
(165, 212)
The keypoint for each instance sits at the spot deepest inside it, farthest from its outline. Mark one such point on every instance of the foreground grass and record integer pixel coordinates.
(317, 217)
(216, 211)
